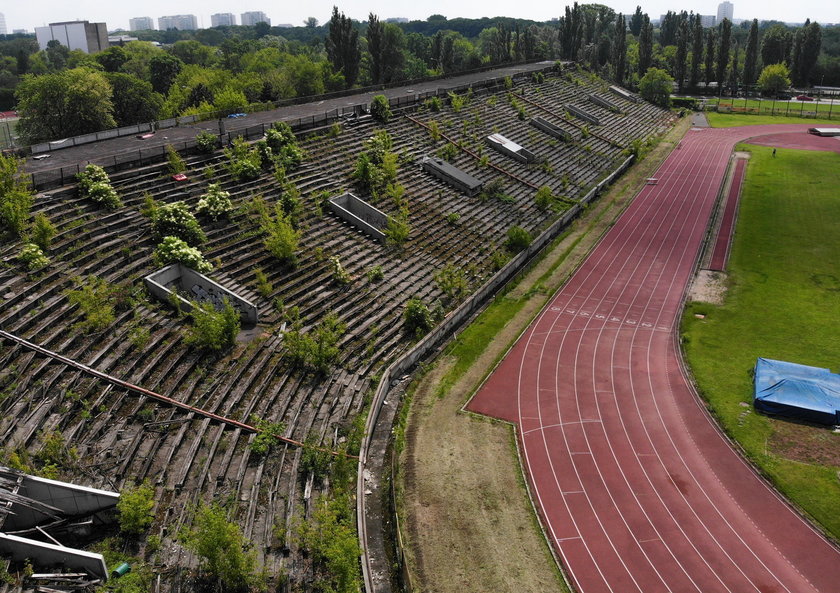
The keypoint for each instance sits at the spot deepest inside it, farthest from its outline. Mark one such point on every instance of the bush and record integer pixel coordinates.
(433, 104)
(43, 231)
(212, 329)
(222, 550)
(453, 218)
(95, 184)
(493, 189)
(15, 195)
(417, 318)
(517, 239)
(206, 142)
(339, 275)
(244, 163)
(215, 203)
(174, 250)
(32, 257)
(318, 349)
(282, 237)
(175, 220)
(284, 147)
(176, 162)
(380, 108)
(448, 152)
(94, 298)
(452, 282)
(457, 101)
(544, 198)
(398, 229)
(264, 287)
(135, 508)
(266, 438)
(376, 167)
(375, 274)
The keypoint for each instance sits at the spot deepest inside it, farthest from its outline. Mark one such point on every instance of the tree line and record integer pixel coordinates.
(60, 93)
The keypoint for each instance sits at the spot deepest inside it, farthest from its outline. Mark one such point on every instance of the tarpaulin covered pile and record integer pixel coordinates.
(798, 391)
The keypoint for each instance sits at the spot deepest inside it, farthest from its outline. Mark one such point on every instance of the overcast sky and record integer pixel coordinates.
(28, 14)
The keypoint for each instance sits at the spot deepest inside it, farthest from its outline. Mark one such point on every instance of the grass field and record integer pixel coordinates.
(782, 303)
(727, 120)
(809, 109)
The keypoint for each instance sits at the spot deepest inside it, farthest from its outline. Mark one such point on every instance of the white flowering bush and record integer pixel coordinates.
(32, 257)
(95, 184)
(175, 220)
(215, 203)
(174, 250)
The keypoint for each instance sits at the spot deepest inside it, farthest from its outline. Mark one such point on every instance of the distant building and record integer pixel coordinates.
(182, 22)
(88, 37)
(707, 20)
(222, 19)
(2, 24)
(725, 11)
(120, 39)
(20, 31)
(252, 18)
(396, 19)
(141, 23)
(284, 25)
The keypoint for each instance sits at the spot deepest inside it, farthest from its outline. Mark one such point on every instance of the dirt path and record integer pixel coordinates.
(469, 522)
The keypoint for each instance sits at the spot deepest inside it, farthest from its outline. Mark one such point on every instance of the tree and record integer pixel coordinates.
(656, 86)
(342, 45)
(133, 99)
(751, 56)
(775, 45)
(811, 45)
(620, 49)
(163, 68)
(68, 103)
(222, 549)
(645, 46)
(696, 51)
(375, 42)
(212, 329)
(112, 59)
(310, 23)
(135, 508)
(636, 22)
(723, 50)
(774, 79)
(682, 54)
(710, 56)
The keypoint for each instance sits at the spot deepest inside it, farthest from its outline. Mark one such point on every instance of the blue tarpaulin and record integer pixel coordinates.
(797, 390)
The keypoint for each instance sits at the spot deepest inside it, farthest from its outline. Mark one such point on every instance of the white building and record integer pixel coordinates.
(141, 23)
(725, 11)
(3, 30)
(222, 19)
(707, 20)
(88, 37)
(182, 22)
(252, 18)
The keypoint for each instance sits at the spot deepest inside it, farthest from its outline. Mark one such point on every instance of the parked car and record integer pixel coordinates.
(804, 98)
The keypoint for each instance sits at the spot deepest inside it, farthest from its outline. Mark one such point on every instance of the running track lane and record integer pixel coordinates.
(636, 487)
(720, 254)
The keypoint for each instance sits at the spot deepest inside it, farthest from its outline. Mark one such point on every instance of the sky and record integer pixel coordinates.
(28, 14)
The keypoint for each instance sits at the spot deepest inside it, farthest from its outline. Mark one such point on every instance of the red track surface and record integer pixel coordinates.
(636, 487)
(720, 254)
(799, 140)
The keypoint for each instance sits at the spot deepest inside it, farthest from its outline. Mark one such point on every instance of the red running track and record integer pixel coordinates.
(720, 254)
(636, 487)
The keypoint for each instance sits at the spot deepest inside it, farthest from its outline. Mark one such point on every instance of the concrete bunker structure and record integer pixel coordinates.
(452, 175)
(178, 280)
(511, 149)
(606, 104)
(625, 94)
(33, 505)
(358, 213)
(551, 129)
(584, 115)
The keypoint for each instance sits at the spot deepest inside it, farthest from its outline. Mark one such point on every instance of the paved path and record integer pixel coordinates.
(637, 488)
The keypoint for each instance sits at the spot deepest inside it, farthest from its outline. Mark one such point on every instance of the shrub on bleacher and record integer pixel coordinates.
(174, 250)
(215, 203)
(43, 231)
(206, 142)
(518, 239)
(380, 108)
(95, 184)
(175, 220)
(244, 162)
(32, 257)
(212, 329)
(417, 318)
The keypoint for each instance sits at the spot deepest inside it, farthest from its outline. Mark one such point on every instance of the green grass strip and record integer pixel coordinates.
(728, 120)
(783, 302)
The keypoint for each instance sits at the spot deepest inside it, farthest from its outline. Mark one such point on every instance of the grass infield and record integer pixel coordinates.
(783, 303)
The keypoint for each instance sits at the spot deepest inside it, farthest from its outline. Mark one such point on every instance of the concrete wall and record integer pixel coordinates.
(625, 94)
(452, 175)
(550, 129)
(71, 499)
(196, 287)
(581, 114)
(601, 102)
(521, 154)
(45, 555)
(88, 138)
(360, 214)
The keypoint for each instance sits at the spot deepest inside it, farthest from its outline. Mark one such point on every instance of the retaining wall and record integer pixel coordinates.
(360, 214)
